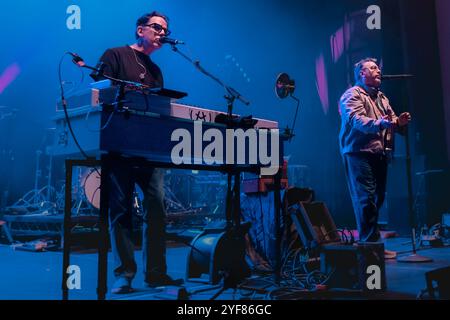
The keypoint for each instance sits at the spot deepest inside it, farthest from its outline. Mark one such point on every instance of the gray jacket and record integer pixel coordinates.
(361, 129)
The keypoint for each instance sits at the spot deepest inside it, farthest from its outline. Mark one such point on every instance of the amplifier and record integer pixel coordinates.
(264, 184)
(261, 185)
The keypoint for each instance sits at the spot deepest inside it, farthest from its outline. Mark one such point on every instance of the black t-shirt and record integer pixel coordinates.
(128, 64)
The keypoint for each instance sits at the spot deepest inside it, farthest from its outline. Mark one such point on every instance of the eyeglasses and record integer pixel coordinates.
(372, 68)
(158, 28)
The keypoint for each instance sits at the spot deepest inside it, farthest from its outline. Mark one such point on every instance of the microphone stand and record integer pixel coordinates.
(120, 95)
(232, 94)
(230, 97)
(289, 133)
(414, 257)
(233, 225)
(120, 81)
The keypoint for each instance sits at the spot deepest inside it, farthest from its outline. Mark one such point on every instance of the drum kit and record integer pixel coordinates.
(186, 192)
(86, 192)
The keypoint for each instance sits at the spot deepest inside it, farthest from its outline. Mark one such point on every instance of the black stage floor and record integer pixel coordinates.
(37, 276)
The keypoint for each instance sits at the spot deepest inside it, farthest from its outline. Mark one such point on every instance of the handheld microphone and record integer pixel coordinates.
(396, 76)
(170, 41)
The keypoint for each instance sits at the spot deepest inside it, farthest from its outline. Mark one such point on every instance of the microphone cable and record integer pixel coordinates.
(66, 114)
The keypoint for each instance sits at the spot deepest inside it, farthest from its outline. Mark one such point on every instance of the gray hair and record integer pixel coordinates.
(359, 65)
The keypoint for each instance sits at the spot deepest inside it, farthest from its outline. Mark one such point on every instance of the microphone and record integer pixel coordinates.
(77, 59)
(396, 76)
(170, 41)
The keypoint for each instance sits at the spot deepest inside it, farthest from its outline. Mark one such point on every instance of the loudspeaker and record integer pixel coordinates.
(216, 254)
(314, 224)
(355, 267)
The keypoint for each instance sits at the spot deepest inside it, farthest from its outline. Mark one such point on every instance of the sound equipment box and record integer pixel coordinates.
(355, 267)
(264, 184)
(352, 266)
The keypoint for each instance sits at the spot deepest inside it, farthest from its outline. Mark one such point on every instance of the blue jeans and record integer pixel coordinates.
(151, 180)
(366, 178)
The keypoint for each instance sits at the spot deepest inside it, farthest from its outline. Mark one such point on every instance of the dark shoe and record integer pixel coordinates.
(161, 281)
(122, 286)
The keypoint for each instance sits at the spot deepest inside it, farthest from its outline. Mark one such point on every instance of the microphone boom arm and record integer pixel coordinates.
(232, 92)
(80, 63)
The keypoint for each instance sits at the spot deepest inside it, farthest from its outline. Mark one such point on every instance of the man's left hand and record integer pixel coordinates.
(404, 119)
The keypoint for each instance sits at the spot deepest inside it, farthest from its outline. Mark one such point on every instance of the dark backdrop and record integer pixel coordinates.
(247, 44)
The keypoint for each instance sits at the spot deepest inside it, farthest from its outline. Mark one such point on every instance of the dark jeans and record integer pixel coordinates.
(366, 178)
(122, 182)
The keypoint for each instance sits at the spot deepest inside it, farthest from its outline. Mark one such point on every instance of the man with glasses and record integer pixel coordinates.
(133, 63)
(366, 142)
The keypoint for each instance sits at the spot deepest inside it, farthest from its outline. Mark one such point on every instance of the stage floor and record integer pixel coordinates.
(37, 275)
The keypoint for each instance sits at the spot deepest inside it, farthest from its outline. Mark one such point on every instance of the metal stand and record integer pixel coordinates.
(233, 230)
(414, 257)
(232, 277)
(70, 221)
(7, 117)
(173, 205)
(37, 198)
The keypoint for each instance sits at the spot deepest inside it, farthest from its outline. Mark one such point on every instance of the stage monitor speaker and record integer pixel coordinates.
(216, 254)
(314, 224)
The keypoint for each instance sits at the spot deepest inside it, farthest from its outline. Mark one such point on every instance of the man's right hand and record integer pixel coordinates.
(404, 119)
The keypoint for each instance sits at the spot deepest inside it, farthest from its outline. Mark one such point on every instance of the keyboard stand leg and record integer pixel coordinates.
(103, 228)
(66, 228)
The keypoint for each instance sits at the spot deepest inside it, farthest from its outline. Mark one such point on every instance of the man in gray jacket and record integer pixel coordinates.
(366, 142)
